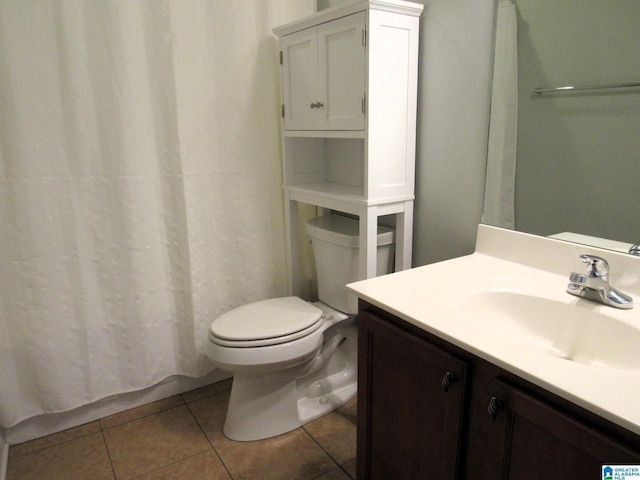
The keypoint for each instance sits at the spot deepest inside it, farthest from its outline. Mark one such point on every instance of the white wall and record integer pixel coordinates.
(456, 57)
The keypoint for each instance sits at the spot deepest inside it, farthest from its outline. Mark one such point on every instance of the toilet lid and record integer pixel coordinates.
(267, 319)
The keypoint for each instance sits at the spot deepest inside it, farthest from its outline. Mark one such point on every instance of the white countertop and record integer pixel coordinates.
(436, 298)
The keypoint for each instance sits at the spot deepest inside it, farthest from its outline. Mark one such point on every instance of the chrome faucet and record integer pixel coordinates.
(635, 249)
(594, 285)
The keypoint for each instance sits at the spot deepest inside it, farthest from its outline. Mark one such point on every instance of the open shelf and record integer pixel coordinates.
(348, 125)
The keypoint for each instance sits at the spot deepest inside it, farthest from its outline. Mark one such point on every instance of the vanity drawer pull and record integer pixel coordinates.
(494, 407)
(447, 380)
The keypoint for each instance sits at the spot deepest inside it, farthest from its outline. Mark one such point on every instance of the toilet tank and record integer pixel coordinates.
(335, 242)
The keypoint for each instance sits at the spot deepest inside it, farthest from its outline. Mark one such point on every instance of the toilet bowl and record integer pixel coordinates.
(284, 377)
(293, 361)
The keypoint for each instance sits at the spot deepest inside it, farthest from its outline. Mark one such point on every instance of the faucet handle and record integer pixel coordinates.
(596, 266)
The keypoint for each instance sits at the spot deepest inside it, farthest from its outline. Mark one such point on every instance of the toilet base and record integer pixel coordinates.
(261, 406)
(278, 411)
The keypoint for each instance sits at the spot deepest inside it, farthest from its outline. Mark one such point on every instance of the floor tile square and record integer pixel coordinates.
(350, 467)
(208, 390)
(336, 432)
(53, 439)
(335, 474)
(293, 455)
(203, 466)
(142, 411)
(173, 439)
(153, 442)
(210, 413)
(84, 458)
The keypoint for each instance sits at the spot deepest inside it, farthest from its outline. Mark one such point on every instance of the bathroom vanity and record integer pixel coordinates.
(484, 367)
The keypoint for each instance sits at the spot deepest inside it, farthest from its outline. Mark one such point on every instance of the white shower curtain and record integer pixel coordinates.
(499, 208)
(139, 189)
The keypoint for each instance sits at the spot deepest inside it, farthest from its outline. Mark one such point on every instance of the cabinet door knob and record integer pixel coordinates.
(313, 105)
(447, 380)
(317, 105)
(494, 407)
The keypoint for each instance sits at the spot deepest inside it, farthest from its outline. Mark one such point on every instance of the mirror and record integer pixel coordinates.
(577, 154)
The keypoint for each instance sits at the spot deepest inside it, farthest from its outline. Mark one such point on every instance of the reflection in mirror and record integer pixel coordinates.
(576, 157)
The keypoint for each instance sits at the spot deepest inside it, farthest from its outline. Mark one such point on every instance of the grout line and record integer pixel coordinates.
(162, 467)
(183, 403)
(57, 442)
(224, 465)
(106, 447)
(140, 407)
(4, 447)
(346, 473)
(103, 430)
(210, 394)
(323, 449)
(339, 467)
(326, 451)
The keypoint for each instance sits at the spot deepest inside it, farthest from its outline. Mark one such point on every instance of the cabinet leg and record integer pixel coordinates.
(292, 245)
(404, 237)
(368, 243)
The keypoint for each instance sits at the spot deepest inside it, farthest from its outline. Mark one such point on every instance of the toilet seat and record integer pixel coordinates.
(265, 323)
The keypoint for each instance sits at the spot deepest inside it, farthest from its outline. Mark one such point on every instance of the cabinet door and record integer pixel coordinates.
(341, 73)
(410, 404)
(300, 79)
(544, 442)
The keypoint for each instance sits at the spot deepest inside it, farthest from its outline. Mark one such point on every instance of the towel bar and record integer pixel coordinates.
(572, 88)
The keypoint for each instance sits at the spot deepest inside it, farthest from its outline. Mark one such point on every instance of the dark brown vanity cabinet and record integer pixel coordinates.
(411, 408)
(430, 410)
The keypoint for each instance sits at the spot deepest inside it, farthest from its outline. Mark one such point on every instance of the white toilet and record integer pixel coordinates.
(294, 361)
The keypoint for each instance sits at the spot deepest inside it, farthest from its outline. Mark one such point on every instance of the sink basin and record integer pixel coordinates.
(578, 332)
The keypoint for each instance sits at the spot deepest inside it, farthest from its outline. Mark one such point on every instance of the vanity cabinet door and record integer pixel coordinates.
(410, 404)
(486, 431)
(542, 441)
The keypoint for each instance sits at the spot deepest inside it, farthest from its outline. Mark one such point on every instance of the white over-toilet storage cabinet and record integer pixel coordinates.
(349, 91)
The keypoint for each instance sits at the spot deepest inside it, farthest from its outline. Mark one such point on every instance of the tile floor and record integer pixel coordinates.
(181, 438)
